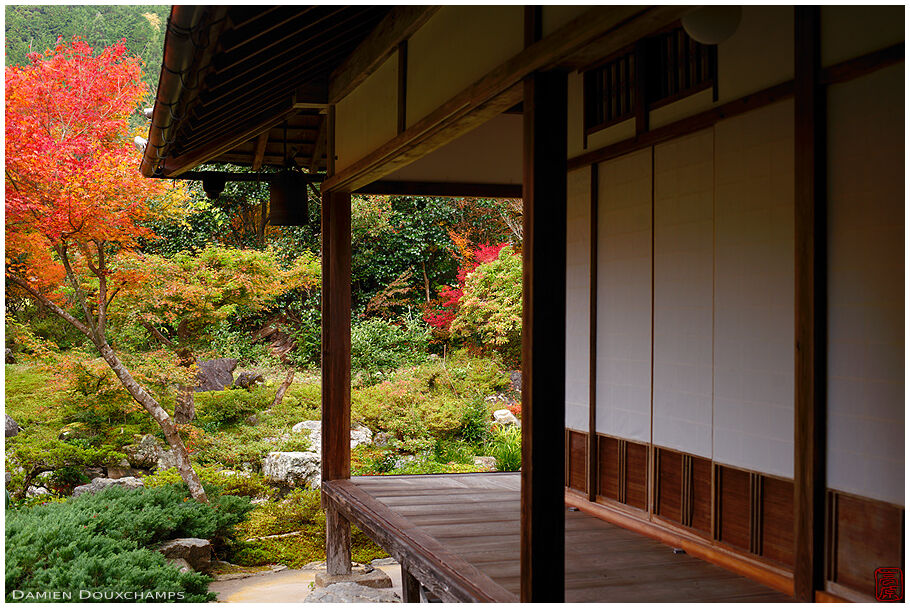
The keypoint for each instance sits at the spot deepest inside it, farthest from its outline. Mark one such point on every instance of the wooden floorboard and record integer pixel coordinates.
(476, 517)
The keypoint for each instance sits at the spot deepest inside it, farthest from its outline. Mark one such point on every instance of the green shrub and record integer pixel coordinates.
(489, 313)
(379, 346)
(505, 446)
(229, 483)
(99, 542)
(299, 511)
(475, 422)
(231, 406)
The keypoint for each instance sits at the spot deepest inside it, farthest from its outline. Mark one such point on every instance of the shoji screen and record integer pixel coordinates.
(684, 293)
(866, 286)
(623, 364)
(578, 294)
(753, 302)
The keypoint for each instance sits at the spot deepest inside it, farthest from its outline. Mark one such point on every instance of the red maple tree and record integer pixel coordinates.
(74, 195)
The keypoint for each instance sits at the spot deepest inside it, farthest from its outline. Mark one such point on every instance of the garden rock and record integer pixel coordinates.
(292, 469)
(12, 429)
(515, 381)
(93, 472)
(167, 459)
(33, 491)
(505, 418)
(196, 552)
(215, 374)
(307, 425)
(100, 483)
(123, 469)
(348, 593)
(144, 454)
(364, 575)
(485, 463)
(248, 380)
(9, 356)
(359, 434)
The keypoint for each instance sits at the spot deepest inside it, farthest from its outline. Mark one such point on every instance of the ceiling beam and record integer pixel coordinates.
(485, 98)
(378, 46)
(259, 152)
(320, 145)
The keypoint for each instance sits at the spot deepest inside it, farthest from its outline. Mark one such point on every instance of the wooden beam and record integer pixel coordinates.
(860, 66)
(544, 338)
(410, 587)
(402, 85)
(495, 92)
(259, 151)
(470, 190)
(593, 456)
(397, 26)
(811, 307)
(685, 126)
(336, 367)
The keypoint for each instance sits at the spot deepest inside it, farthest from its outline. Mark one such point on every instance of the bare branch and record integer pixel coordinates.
(157, 334)
(50, 304)
(77, 289)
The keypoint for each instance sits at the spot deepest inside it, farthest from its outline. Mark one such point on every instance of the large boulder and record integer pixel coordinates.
(167, 459)
(359, 434)
(215, 374)
(100, 483)
(12, 429)
(293, 469)
(144, 454)
(197, 552)
(348, 593)
(505, 418)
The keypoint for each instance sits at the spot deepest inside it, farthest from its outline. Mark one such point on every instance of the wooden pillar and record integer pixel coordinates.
(811, 308)
(336, 367)
(544, 339)
(410, 587)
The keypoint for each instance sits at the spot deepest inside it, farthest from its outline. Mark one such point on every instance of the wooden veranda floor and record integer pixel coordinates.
(459, 535)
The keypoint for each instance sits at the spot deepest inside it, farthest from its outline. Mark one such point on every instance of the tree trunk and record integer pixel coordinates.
(161, 417)
(185, 409)
(283, 388)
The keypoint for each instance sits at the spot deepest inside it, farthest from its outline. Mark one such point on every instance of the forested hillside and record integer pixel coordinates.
(32, 29)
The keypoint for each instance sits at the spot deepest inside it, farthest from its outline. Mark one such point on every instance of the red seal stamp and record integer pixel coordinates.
(889, 584)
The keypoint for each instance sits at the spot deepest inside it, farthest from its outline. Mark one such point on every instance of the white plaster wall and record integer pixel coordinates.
(578, 294)
(455, 48)
(758, 55)
(684, 293)
(367, 117)
(624, 297)
(754, 293)
(851, 31)
(866, 286)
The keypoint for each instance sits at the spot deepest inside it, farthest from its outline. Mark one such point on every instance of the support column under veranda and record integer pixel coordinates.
(336, 369)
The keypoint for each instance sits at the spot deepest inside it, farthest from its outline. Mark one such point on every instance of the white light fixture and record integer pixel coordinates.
(712, 24)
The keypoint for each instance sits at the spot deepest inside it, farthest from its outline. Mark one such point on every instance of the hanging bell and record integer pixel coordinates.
(288, 200)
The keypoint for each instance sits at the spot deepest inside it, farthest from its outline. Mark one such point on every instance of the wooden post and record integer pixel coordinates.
(336, 367)
(410, 587)
(811, 308)
(544, 339)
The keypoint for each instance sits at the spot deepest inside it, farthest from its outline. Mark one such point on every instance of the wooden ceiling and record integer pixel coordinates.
(248, 85)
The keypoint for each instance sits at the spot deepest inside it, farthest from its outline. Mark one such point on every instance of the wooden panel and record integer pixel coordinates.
(701, 494)
(636, 476)
(577, 458)
(734, 507)
(608, 469)
(868, 535)
(777, 520)
(669, 494)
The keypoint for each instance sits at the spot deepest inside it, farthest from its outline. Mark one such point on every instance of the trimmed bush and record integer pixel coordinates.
(99, 542)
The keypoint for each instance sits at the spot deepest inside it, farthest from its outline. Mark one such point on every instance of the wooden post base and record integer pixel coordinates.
(337, 543)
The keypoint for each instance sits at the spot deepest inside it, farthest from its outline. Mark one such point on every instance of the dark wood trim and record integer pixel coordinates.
(593, 453)
(330, 141)
(320, 146)
(470, 190)
(685, 126)
(692, 544)
(641, 97)
(496, 91)
(533, 24)
(660, 103)
(860, 66)
(259, 150)
(337, 542)
(402, 85)
(378, 46)
(445, 574)
(810, 307)
(543, 341)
